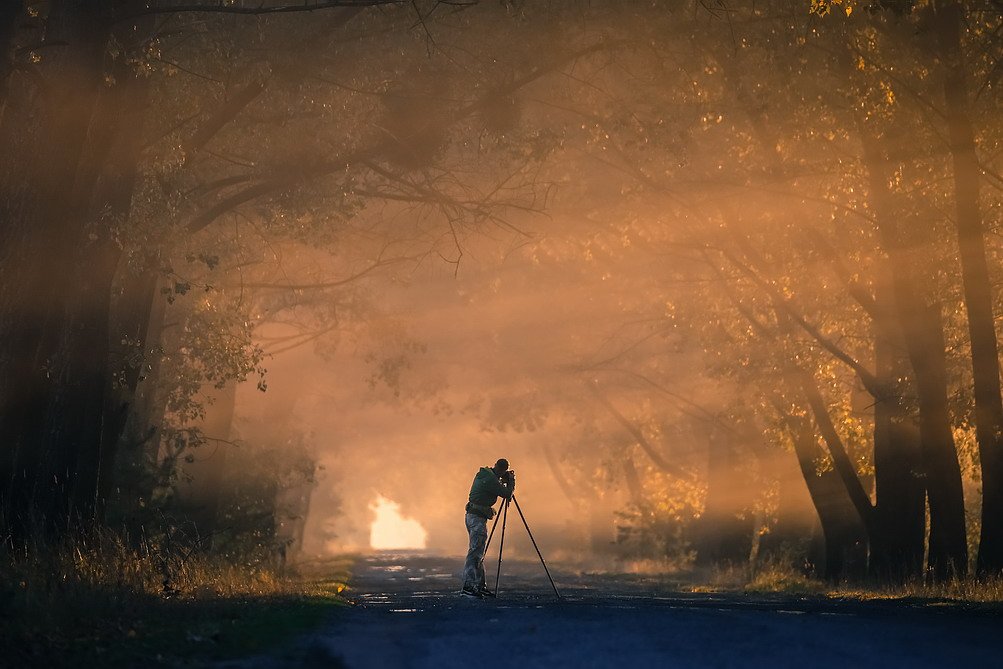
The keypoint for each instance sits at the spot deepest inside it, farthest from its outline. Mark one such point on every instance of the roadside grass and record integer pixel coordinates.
(772, 578)
(981, 591)
(779, 577)
(102, 603)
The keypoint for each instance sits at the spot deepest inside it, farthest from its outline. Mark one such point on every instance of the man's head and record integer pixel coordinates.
(500, 467)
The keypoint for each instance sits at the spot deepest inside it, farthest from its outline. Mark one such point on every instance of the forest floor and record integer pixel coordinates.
(408, 613)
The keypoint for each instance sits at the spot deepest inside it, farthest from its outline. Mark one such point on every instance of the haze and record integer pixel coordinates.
(721, 284)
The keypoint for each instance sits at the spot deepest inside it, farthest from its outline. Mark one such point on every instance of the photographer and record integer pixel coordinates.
(489, 484)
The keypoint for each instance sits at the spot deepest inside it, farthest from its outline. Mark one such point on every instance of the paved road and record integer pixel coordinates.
(408, 614)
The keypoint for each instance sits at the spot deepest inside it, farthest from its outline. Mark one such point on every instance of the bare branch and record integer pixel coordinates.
(371, 153)
(383, 262)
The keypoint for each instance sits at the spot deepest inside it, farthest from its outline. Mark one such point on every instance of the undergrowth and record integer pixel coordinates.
(101, 600)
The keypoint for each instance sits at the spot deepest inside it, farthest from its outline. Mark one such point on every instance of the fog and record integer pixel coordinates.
(722, 284)
(499, 347)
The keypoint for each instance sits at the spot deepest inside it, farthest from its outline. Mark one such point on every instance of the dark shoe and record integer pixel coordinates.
(471, 592)
(483, 590)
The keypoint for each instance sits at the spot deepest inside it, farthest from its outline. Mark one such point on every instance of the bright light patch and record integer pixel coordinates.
(391, 530)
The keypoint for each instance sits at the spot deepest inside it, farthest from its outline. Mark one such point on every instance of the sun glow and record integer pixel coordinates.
(391, 530)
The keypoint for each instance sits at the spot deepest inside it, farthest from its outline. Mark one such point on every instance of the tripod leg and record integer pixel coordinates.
(492, 534)
(530, 533)
(488, 544)
(501, 545)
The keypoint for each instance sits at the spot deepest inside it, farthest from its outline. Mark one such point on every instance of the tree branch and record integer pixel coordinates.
(637, 434)
(781, 303)
(226, 113)
(256, 11)
(327, 284)
(372, 153)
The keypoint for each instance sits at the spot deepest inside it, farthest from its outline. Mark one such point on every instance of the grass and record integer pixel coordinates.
(781, 579)
(101, 603)
(980, 591)
(778, 577)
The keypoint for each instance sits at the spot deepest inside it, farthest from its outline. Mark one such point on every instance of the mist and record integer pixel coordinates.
(722, 286)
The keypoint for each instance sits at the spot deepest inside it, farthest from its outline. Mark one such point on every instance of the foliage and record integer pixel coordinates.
(254, 517)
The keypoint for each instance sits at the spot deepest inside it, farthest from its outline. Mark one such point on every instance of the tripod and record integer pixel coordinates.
(503, 515)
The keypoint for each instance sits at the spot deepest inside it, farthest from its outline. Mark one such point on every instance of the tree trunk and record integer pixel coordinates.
(844, 533)
(898, 543)
(40, 247)
(139, 315)
(126, 329)
(113, 153)
(788, 539)
(633, 482)
(10, 12)
(724, 531)
(841, 462)
(977, 286)
(948, 551)
(922, 325)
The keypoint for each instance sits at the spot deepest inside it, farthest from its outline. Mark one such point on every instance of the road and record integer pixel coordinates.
(409, 614)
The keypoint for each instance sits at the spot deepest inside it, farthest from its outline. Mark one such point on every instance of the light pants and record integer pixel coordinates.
(473, 568)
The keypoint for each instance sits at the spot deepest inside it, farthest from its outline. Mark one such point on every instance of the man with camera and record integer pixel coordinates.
(489, 484)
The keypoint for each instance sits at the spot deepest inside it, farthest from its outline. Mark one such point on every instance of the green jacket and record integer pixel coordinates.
(486, 488)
